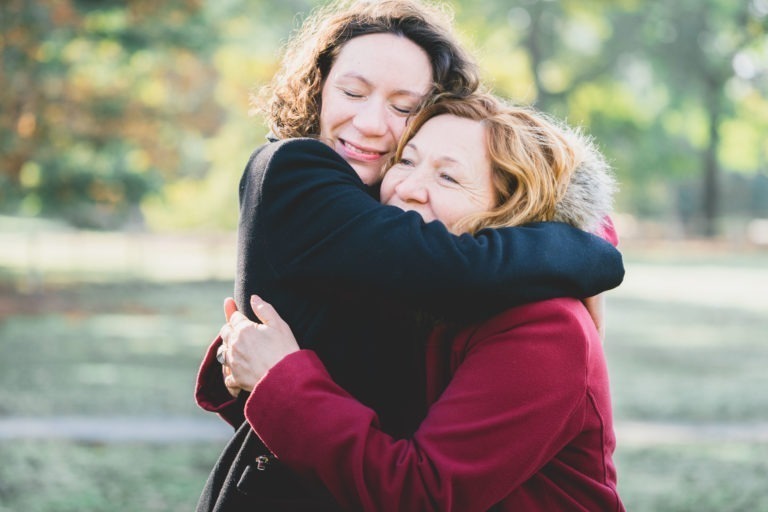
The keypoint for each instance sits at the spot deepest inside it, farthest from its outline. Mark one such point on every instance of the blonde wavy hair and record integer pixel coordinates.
(291, 102)
(542, 170)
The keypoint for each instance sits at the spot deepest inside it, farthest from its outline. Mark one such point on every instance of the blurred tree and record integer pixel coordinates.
(704, 51)
(108, 105)
(100, 101)
(250, 35)
(658, 83)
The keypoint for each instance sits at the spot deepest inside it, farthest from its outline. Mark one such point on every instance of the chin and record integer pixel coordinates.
(367, 175)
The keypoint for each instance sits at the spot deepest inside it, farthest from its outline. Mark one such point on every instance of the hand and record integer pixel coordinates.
(229, 307)
(253, 348)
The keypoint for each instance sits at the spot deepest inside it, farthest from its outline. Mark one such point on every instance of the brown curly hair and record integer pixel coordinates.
(291, 102)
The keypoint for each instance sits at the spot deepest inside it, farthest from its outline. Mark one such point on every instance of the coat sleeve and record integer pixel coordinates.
(306, 210)
(210, 392)
(513, 403)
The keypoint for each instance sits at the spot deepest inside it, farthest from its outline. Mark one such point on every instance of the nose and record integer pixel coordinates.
(370, 119)
(413, 188)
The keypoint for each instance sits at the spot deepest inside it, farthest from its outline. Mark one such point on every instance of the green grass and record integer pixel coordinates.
(66, 477)
(686, 345)
(727, 477)
(127, 349)
(685, 348)
(683, 363)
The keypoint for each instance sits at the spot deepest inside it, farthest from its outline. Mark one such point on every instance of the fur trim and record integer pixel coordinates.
(588, 200)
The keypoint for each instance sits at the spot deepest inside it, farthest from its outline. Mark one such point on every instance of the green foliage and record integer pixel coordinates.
(660, 85)
(115, 113)
(98, 97)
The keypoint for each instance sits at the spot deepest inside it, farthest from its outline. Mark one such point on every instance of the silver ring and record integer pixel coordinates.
(221, 354)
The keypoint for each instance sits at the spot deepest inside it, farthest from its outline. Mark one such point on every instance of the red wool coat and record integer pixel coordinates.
(520, 417)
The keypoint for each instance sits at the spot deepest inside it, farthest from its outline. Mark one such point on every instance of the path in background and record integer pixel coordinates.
(707, 284)
(90, 256)
(115, 429)
(167, 430)
(34, 256)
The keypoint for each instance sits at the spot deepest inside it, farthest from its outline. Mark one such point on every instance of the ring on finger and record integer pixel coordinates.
(221, 354)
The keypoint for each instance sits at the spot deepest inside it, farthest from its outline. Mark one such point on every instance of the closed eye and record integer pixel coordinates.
(448, 178)
(350, 94)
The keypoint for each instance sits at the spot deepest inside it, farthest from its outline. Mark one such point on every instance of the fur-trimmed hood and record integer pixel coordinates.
(588, 200)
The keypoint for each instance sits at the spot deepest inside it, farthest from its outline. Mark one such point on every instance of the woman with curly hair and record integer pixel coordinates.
(519, 411)
(314, 240)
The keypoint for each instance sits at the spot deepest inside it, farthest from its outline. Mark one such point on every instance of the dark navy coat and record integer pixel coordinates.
(347, 274)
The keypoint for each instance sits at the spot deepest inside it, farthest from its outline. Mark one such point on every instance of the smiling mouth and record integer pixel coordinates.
(359, 153)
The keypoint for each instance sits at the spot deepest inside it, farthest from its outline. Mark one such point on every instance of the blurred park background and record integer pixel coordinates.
(124, 127)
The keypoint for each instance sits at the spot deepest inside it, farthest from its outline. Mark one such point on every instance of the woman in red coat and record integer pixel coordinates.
(519, 411)
(314, 240)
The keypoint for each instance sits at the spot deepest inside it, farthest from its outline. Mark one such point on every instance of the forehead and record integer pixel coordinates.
(385, 60)
(453, 137)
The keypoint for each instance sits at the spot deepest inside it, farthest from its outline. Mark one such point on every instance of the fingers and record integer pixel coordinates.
(225, 332)
(230, 382)
(229, 307)
(264, 311)
(233, 391)
(238, 318)
(221, 355)
(226, 372)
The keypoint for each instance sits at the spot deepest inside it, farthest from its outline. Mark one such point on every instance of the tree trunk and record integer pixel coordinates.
(536, 54)
(710, 195)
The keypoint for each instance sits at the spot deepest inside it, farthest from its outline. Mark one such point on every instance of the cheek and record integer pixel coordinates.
(326, 110)
(458, 207)
(397, 126)
(387, 189)
(325, 101)
(331, 111)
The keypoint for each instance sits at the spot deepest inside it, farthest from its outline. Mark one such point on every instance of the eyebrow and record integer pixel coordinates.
(399, 92)
(441, 158)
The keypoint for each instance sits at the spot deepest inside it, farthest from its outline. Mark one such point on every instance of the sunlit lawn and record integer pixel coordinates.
(108, 349)
(121, 348)
(687, 345)
(682, 349)
(51, 476)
